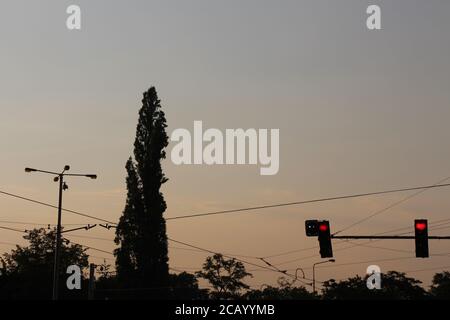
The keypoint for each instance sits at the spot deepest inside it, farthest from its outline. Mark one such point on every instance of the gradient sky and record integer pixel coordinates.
(358, 111)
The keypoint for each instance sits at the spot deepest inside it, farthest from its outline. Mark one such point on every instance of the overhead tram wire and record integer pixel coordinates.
(359, 195)
(376, 213)
(378, 247)
(53, 206)
(356, 263)
(170, 247)
(210, 251)
(445, 221)
(39, 224)
(85, 246)
(261, 268)
(411, 271)
(228, 254)
(273, 269)
(432, 227)
(249, 208)
(12, 229)
(315, 247)
(354, 245)
(92, 248)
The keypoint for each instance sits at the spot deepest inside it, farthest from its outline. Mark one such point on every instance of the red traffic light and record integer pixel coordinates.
(323, 227)
(326, 249)
(421, 237)
(421, 226)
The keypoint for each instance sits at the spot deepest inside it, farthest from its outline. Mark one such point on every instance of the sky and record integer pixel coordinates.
(358, 111)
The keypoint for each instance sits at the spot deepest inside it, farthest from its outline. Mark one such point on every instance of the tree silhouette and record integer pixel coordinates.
(352, 288)
(280, 293)
(185, 287)
(27, 272)
(141, 259)
(441, 285)
(225, 275)
(394, 286)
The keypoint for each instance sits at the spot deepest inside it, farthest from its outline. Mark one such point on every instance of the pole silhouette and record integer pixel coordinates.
(59, 177)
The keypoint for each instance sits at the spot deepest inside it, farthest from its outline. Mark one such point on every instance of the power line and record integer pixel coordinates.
(427, 269)
(378, 247)
(389, 207)
(437, 223)
(315, 247)
(307, 201)
(423, 188)
(228, 254)
(39, 224)
(371, 215)
(289, 252)
(361, 262)
(341, 249)
(412, 271)
(440, 228)
(89, 237)
(366, 261)
(12, 229)
(209, 251)
(243, 261)
(93, 248)
(407, 232)
(87, 247)
(53, 206)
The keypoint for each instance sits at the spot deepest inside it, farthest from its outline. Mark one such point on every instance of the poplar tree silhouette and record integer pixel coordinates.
(141, 259)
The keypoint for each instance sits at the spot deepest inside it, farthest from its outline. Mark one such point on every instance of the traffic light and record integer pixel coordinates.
(323, 229)
(421, 230)
(312, 228)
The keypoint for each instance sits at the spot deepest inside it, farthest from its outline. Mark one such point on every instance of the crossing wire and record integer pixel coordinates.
(415, 194)
(274, 269)
(53, 206)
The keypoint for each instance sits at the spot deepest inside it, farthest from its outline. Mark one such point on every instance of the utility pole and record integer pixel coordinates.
(59, 177)
(91, 287)
(58, 241)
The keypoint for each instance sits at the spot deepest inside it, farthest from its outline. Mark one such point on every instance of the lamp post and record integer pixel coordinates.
(314, 272)
(59, 177)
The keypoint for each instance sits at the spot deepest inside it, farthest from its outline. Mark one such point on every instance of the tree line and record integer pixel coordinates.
(26, 273)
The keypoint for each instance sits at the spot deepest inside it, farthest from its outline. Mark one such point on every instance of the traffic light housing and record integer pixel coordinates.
(421, 237)
(323, 229)
(312, 228)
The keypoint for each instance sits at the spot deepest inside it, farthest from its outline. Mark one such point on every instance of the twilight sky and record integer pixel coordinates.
(358, 111)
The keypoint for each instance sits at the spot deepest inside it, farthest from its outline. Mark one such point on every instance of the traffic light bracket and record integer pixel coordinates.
(421, 237)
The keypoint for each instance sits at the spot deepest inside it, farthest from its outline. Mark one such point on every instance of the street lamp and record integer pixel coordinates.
(314, 272)
(59, 177)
